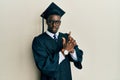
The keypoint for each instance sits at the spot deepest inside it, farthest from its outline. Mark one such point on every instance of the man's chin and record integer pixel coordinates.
(53, 31)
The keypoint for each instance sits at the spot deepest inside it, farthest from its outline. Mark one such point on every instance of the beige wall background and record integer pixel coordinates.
(95, 24)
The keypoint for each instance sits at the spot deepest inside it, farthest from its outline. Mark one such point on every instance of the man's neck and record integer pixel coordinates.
(52, 34)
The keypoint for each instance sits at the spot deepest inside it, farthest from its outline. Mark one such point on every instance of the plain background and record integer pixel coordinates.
(95, 24)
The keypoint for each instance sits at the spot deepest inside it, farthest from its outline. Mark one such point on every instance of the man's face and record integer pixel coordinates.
(53, 23)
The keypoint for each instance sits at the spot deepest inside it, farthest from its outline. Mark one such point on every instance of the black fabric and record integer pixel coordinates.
(52, 9)
(46, 55)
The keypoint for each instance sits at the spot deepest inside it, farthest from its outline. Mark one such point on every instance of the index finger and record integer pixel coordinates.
(69, 34)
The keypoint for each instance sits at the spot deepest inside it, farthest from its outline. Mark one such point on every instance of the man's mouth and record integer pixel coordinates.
(54, 29)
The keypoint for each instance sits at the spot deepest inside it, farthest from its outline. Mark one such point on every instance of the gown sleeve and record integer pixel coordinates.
(79, 54)
(47, 65)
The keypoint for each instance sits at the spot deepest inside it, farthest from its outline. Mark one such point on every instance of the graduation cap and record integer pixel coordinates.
(52, 9)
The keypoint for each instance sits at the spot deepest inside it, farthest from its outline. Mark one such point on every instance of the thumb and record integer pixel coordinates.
(64, 40)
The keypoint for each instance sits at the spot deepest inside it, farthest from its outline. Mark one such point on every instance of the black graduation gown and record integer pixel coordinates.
(46, 55)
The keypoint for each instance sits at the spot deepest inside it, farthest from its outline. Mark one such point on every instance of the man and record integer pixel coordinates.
(54, 50)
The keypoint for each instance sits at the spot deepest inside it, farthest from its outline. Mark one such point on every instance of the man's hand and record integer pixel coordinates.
(69, 45)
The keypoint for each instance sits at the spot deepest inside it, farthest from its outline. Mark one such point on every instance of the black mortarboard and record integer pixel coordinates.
(52, 9)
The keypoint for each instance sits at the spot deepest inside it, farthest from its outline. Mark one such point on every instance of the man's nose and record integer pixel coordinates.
(53, 24)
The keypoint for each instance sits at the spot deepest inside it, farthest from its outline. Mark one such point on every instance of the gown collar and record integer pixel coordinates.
(51, 34)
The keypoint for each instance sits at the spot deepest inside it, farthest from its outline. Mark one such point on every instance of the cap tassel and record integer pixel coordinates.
(42, 25)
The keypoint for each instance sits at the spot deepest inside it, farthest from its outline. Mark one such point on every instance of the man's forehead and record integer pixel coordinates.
(54, 17)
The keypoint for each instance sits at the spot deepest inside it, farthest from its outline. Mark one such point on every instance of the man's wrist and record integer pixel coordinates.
(72, 51)
(65, 52)
(62, 50)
